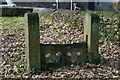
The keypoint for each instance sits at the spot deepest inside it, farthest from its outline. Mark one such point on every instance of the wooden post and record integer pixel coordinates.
(32, 41)
(91, 36)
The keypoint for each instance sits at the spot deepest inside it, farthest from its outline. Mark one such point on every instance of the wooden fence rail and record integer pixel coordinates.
(36, 52)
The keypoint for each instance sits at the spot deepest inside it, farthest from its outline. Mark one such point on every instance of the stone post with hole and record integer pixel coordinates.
(91, 36)
(35, 59)
(32, 41)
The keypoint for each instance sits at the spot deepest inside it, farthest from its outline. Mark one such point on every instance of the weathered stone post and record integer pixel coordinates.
(32, 40)
(91, 36)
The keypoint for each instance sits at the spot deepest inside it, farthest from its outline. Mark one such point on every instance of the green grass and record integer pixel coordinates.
(12, 23)
(11, 34)
(5, 28)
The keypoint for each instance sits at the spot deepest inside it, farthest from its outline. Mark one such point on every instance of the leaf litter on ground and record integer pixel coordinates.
(14, 61)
